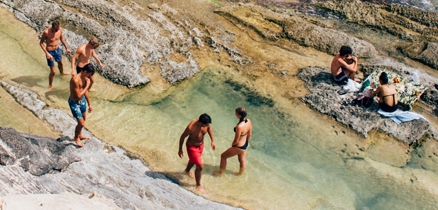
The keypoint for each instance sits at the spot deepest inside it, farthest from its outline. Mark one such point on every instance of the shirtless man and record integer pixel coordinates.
(79, 85)
(83, 54)
(51, 37)
(195, 145)
(344, 66)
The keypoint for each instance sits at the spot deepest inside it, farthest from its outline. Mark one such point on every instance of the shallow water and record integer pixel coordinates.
(295, 158)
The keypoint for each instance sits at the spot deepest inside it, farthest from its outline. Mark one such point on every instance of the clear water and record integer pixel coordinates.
(295, 158)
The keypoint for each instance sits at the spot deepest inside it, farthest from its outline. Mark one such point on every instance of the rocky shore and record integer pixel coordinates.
(141, 38)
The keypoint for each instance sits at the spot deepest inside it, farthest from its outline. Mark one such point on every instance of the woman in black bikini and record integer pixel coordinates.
(387, 93)
(243, 131)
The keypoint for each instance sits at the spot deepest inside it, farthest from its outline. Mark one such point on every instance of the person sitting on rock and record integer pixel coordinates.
(387, 94)
(344, 66)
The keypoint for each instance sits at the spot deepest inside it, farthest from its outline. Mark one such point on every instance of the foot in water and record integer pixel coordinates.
(190, 174)
(84, 137)
(217, 173)
(200, 188)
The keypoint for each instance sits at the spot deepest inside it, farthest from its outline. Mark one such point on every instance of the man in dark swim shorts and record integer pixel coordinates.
(344, 66)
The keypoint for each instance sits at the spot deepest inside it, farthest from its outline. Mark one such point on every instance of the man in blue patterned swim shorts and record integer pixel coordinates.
(51, 37)
(79, 98)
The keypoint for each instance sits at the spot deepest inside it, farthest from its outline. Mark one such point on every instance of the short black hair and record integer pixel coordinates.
(89, 69)
(345, 50)
(55, 24)
(384, 78)
(205, 119)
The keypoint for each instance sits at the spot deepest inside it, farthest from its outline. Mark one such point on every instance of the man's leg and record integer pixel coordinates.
(198, 174)
(188, 168)
(78, 129)
(51, 76)
(84, 116)
(61, 67)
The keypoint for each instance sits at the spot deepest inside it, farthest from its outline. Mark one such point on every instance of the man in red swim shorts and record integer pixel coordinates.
(196, 131)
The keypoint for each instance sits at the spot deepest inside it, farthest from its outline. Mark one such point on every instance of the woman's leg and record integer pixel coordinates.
(230, 152)
(242, 161)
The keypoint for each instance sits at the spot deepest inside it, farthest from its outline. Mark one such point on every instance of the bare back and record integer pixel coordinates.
(338, 62)
(243, 133)
(388, 94)
(335, 67)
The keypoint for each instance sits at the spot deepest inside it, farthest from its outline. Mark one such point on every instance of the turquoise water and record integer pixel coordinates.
(293, 159)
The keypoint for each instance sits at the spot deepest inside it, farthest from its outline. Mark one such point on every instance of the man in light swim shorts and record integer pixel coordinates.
(51, 37)
(78, 100)
(196, 131)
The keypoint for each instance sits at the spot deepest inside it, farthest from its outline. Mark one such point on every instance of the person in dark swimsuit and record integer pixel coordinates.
(387, 93)
(342, 78)
(344, 66)
(243, 131)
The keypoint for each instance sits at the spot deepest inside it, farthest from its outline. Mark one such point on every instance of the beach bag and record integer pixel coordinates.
(364, 101)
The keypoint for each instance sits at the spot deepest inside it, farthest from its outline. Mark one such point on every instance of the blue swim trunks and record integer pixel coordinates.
(57, 56)
(77, 107)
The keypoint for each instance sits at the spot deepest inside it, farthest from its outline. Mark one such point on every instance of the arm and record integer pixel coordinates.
(237, 136)
(79, 93)
(87, 97)
(377, 91)
(210, 133)
(97, 59)
(350, 67)
(42, 40)
(250, 131)
(73, 62)
(181, 140)
(63, 42)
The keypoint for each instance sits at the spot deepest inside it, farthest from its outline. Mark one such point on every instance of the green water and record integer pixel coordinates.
(296, 157)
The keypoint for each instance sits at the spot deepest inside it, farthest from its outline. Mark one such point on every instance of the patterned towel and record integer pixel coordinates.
(408, 91)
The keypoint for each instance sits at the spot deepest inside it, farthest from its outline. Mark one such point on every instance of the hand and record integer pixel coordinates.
(101, 65)
(180, 153)
(68, 51)
(49, 57)
(90, 109)
(87, 81)
(213, 145)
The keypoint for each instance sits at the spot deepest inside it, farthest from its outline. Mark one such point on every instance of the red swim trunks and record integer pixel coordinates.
(195, 153)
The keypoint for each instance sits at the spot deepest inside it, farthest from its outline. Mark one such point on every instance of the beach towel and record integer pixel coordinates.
(401, 116)
(351, 86)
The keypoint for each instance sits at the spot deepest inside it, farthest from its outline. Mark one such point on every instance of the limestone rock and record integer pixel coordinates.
(129, 42)
(324, 98)
(34, 154)
(273, 26)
